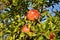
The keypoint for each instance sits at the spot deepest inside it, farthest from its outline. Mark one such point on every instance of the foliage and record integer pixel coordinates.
(13, 20)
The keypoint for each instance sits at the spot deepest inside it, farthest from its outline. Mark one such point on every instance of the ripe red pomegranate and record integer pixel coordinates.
(52, 35)
(25, 29)
(33, 14)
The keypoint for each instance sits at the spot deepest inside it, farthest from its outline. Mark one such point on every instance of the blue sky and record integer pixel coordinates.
(52, 10)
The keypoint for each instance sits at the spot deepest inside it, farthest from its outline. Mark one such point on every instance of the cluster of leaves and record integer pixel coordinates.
(12, 21)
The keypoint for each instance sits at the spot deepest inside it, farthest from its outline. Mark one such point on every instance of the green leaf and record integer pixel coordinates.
(31, 34)
(22, 35)
(15, 2)
(40, 38)
(16, 29)
(47, 26)
(47, 34)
